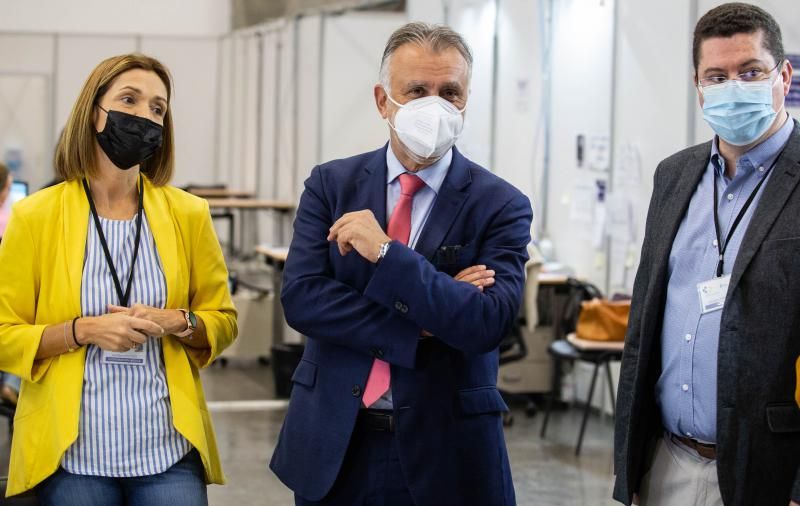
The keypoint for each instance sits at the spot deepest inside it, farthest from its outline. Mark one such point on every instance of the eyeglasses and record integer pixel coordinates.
(750, 76)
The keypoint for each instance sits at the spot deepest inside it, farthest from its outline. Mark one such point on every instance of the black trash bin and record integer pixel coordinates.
(285, 358)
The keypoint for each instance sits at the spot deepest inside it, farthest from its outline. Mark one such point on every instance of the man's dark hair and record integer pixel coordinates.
(729, 19)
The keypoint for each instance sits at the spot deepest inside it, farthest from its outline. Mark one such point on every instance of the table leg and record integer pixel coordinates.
(277, 307)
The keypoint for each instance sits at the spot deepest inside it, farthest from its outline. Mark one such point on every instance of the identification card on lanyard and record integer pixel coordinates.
(136, 355)
(713, 293)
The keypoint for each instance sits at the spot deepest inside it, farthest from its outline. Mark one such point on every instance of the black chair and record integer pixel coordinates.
(217, 214)
(514, 349)
(8, 410)
(562, 350)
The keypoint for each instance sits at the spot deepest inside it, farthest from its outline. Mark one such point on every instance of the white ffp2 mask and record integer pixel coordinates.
(427, 126)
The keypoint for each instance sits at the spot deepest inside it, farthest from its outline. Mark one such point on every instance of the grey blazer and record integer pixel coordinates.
(758, 421)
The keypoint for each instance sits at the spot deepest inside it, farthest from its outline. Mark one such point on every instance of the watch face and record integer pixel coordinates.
(192, 319)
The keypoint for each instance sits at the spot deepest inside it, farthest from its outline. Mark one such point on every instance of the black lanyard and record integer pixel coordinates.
(123, 297)
(722, 247)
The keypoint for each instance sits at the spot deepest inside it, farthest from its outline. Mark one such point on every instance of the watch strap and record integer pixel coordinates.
(189, 327)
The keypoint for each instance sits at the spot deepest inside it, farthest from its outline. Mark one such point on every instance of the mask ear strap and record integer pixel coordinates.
(389, 96)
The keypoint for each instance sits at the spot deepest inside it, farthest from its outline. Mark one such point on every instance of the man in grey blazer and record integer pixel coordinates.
(706, 411)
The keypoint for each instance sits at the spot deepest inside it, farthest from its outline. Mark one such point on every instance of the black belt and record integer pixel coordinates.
(706, 450)
(377, 420)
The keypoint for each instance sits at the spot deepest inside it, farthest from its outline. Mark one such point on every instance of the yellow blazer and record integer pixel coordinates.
(41, 264)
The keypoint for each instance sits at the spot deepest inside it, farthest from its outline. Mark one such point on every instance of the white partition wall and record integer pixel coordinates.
(193, 63)
(268, 187)
(174, 17)
(475, 20)
(653, 107)
(285, 110)
(581, 106)
(519, 115)
(27, 105)
(76, 57)
(224, 130)
(350, 119)
(310, 85)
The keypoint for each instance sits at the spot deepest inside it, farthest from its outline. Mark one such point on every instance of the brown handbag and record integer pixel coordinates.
(603, 320)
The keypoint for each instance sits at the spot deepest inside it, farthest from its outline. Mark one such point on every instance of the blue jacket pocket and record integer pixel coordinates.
(476, 401)
(305, 374)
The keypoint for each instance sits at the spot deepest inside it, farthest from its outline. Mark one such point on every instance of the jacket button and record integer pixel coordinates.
(356, 390)
(404, 309)
(398, 305)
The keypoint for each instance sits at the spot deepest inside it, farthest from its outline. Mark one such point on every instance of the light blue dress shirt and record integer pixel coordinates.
(421, 207)
(687, 389)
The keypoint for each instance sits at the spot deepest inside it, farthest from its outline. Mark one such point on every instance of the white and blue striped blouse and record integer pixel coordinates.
(126, 419)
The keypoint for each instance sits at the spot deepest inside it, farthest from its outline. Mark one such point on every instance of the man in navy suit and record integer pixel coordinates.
(405, 272)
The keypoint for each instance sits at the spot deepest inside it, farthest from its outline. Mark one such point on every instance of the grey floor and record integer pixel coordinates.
(546, 472)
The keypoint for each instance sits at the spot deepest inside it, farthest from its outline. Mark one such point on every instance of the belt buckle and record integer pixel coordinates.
(387, 422)
(383, 422)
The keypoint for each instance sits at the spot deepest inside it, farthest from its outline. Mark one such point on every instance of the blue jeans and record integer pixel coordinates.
(181, 485)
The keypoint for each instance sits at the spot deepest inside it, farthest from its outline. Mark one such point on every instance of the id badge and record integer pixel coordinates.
(136, 356)
(713, 293)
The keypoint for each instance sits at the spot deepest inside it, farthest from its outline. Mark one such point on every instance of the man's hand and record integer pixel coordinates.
(359, 231)
(477, 275)
(793, 503)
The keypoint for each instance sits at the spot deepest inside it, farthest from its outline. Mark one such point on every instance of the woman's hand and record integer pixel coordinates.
(115, 331)
(171, 321)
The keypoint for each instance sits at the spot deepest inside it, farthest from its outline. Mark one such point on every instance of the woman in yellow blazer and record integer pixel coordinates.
(114, 295)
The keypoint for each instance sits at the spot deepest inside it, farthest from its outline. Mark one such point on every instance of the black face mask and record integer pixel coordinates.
(129, 140)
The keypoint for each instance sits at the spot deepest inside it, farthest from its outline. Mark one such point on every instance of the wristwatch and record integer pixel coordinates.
(384, 249)
(191, 324)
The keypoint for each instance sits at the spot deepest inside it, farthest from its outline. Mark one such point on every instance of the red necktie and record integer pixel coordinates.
(399, 229)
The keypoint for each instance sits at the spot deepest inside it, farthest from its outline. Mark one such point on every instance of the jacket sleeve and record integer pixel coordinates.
(19, 294)
(630, 358)
(321, 307)
(461, 316)
(209, 296)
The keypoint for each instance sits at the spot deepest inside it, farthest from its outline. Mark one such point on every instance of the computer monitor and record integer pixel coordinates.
(19, 190)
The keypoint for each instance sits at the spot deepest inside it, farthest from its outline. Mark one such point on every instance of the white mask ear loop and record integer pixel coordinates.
(399, 106)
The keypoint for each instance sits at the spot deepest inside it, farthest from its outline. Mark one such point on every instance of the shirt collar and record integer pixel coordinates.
(433, 176)
(762, 155)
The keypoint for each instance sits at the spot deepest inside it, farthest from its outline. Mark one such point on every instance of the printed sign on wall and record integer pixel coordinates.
(793, 98)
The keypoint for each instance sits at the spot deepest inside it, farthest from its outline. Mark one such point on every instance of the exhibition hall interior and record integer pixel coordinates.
(212, 258)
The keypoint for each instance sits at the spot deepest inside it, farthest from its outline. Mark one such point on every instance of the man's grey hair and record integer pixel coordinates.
(436, 37)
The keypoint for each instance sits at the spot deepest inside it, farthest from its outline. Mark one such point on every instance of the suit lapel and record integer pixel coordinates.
(675, 199)
(159, 217)
(75, 213)
(447, 206)
(371, 187)
(776, 192)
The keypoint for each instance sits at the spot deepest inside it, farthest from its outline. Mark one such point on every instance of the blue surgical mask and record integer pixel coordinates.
(739, 112)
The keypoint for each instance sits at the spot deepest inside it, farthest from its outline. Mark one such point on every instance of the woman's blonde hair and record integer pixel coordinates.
(75, 154)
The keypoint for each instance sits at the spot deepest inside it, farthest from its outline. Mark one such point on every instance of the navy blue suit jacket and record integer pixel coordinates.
(446, 404)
